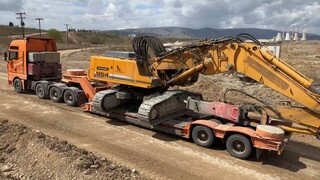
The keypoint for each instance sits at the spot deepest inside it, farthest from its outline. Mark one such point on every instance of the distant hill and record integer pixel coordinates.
(180, 32)
(15, 30)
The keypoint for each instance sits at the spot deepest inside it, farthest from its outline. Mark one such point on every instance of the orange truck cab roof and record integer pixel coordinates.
(36, 44)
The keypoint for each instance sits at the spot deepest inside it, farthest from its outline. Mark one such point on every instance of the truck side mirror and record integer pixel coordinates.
(5, 56)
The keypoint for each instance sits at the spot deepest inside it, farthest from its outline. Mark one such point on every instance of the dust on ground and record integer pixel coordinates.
(28, 154)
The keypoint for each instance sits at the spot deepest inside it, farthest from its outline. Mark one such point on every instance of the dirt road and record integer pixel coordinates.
(153, 154)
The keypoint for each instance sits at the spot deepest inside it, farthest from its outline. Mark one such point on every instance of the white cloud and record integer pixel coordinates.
(116, 14)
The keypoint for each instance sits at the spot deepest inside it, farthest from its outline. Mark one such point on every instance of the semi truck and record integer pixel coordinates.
(135, 87)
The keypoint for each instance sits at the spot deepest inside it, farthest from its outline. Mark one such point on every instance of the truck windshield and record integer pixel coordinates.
(13, 55)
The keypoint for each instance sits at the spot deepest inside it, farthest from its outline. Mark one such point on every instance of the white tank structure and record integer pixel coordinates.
(279, 37)
(304, 37)
(288, 37)
(296, 37)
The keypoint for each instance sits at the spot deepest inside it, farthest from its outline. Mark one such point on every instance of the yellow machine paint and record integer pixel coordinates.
(120, 71)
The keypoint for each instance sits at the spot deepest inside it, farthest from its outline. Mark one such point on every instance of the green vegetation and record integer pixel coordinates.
(77, 38)
(53, 33)
(15, 30)
(95, 38)
(101, 38)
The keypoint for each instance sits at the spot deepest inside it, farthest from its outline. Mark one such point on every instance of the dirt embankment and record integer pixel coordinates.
(28, 154)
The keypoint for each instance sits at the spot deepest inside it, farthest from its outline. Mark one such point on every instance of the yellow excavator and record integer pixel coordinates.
(145, 75)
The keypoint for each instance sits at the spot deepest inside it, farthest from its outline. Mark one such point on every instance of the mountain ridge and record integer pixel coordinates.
(206, 32)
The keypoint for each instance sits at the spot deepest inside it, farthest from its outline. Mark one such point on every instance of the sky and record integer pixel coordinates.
(123, 14)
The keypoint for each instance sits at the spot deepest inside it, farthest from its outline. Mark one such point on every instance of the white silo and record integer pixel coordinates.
(288, 38)
(304, 37)
(278, 37)
(296, 37)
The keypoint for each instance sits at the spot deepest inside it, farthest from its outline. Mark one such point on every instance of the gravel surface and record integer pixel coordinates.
(28, 154)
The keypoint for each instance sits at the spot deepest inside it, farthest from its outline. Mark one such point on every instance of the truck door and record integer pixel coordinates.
(15, 63)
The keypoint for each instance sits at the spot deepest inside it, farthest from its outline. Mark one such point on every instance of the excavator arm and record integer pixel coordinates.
(232, 54)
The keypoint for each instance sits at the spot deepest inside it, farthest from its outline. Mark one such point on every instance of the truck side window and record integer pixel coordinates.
(13, 55)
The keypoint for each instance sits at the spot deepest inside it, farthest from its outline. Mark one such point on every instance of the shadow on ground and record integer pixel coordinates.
(290, 159)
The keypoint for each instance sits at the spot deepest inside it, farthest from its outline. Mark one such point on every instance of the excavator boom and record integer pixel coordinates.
(232, 54)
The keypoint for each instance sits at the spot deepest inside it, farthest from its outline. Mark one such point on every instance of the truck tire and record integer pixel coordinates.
(203, 136)
(239, 146)
(41, 91)
(54, 94)
(70, 98)
(17, 84)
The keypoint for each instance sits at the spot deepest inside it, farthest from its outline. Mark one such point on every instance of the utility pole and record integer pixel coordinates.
(84, 38)
(67, 26)
(21, 16)
(39, 19)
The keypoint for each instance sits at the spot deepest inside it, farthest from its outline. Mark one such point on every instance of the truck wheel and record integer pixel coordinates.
(41, 91)
(54, 94)
(70, 98)
(17, 84)
(239, 146)
(203, 136)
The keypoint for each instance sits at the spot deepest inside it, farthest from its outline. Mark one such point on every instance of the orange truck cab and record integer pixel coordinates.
(31, 60)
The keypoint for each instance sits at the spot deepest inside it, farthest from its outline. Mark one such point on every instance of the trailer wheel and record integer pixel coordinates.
(54, 94)
(203, 136)
(41, 91)
(70, 98)
(17, 84)
(239, 146)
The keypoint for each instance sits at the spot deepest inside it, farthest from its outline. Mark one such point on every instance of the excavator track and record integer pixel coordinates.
(156, 109)
(165, 106)
(100, 98)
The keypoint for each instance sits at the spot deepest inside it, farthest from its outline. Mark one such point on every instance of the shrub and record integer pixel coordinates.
(96, 38)
(53, 33)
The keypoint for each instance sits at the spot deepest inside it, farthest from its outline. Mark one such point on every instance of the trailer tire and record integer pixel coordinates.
(17, 84)
(239, 146)
(203, 136)
(70, 98)
(41, 91)
(54, 94)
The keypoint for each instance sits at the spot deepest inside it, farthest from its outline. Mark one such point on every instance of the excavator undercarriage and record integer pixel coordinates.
(151, 107)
